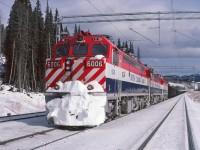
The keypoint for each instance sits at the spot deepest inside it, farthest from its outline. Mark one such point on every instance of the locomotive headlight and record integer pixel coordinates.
(68, 62)
(68, 68)
(56, 87)
(90, 87)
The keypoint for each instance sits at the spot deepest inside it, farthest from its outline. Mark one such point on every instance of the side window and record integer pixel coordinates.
(115, 56)
(62, 50)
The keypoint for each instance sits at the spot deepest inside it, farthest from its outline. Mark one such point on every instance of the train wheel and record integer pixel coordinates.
(135, 104)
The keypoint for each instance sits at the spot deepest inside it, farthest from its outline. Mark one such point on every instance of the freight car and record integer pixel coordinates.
(172, 92)
(127, 84)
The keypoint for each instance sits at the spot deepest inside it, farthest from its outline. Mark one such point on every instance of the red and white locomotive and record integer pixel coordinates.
(128, 84)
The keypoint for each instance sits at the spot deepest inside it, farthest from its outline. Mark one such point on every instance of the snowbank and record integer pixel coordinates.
(176, 85)
(14, 103)
(79, 108)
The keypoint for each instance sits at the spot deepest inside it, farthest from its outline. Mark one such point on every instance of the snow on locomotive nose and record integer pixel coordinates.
(78, 107)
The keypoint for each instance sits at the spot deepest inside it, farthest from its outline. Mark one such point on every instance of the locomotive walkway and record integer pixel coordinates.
(128, 132)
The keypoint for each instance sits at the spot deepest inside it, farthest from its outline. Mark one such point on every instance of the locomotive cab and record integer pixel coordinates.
(81, 57)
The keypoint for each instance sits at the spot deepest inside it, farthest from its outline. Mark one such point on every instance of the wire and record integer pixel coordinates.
(5, 4)
(110, 22)
(185, 35)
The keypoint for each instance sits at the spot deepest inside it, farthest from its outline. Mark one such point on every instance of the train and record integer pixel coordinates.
(127, 84)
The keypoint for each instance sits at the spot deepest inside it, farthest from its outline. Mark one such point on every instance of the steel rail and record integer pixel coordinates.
(191, 144)
(25, 136)
(143, 145)
(21, 116)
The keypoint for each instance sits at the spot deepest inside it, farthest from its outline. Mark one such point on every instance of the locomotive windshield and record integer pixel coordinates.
(99, 49)
(80, 49)
(62, 50)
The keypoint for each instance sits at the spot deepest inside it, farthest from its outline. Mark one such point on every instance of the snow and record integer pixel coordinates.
(98, 57)
(176, 85)
(192, 100)
(79, 108)
(13, 102)
(122, 133)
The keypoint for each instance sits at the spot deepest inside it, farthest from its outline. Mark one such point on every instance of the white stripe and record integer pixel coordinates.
(118, 74)
(54, 76)
(100, 76)
(75, 77)
(76, 63)
(48, 71)
(90, 74)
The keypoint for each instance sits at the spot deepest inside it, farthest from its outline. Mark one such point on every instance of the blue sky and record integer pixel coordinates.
(175, 49)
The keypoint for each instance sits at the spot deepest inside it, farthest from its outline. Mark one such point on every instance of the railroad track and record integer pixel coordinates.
(74, 131)
(191, 145)
(189, 131)
(22, 116)
(68, 134)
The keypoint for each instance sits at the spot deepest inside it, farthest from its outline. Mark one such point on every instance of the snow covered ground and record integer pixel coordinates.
(123, 133)
(193, 103)
(13, 103)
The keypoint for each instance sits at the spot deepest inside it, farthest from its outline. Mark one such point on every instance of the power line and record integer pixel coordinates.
(6, 4)
(185, 35)
(144, 37)
(105, 18)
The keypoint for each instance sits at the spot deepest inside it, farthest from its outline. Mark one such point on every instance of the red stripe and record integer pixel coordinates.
(96, 74)
(82, 76)
(57, 78)
(74, 72)
(50, 74)
(102, 81)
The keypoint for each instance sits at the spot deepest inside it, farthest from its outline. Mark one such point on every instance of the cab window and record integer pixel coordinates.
(62, 50)
(115, 57)
(100, 49)
(80, 49)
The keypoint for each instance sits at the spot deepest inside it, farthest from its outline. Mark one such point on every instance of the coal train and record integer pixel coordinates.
(127, 84)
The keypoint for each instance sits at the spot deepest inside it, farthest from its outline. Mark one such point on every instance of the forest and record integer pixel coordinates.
(28, 40)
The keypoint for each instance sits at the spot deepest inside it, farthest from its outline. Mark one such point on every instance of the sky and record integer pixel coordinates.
(174, 50)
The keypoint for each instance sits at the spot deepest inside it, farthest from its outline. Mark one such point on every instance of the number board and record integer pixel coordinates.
(54, 64)
(95, 63)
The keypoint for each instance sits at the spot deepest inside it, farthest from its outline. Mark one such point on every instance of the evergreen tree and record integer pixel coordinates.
(123, 46)
(118, 43)
(138, 54)
(75, 30)
(66, 30)
(126, 47)
(37, 81)
(79, 29)
(3, 35)
(17, 43)
(131, 49)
